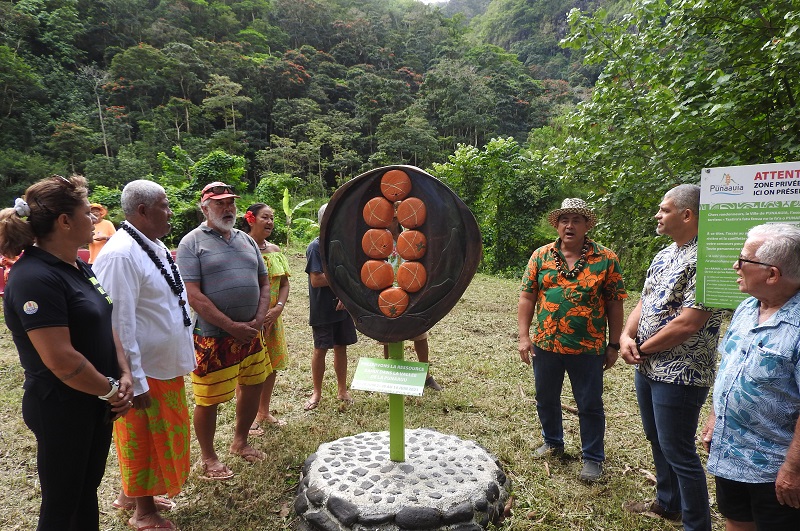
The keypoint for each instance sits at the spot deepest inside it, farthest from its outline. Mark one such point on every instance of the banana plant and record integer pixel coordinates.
(290, 211)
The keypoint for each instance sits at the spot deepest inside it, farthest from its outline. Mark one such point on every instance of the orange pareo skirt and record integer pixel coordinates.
(153, 444)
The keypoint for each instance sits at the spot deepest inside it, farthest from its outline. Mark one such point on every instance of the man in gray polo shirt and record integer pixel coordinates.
(228, 287)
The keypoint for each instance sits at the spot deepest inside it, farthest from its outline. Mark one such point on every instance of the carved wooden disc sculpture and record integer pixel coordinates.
(397, 286)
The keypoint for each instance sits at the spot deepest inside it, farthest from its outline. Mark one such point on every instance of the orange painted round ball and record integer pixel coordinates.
(377, 243)
(411, 245)
(378, 213)
(411, 213)
(411, 276)
(395, 185)
(377, 274)
(393, 302)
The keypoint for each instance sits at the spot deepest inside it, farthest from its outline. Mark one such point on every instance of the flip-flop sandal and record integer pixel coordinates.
(255, 430)
(311, 404)
(222, 474)
(251, 455)
(162, 504)
(277, 423)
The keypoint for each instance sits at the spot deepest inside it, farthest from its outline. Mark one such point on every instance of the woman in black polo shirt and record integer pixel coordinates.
(76, 376)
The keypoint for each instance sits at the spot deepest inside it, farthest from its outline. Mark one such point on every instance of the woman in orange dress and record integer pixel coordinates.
(259, 222)
(103, 230)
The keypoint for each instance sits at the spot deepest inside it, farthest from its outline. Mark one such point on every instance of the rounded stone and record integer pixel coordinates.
(394, 496)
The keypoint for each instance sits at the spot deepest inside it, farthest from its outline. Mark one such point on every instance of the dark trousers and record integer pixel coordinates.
(73, 438)
(670, 414)
(755, 502)
(585, 373)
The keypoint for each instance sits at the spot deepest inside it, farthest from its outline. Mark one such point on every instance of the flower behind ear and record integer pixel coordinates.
(249, 217)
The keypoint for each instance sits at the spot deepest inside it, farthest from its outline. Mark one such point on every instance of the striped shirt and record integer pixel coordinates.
(228, 273)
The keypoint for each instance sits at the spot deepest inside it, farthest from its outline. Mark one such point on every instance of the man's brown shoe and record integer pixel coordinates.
(652, 509)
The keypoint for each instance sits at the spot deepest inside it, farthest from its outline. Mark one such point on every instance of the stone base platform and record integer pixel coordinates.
(445, 484)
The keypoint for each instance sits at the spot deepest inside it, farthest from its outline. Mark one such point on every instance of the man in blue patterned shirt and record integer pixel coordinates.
(755, 449)
(672, 339)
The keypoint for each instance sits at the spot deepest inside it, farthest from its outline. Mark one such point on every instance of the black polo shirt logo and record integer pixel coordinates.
(100, 289)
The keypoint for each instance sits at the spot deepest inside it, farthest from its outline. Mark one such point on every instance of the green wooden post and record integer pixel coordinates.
(397, 429)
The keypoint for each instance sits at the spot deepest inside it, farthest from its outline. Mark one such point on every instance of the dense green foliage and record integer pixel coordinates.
(319, 89)
(305, 94)
(301, 94)
(507, 193)
(685, 85)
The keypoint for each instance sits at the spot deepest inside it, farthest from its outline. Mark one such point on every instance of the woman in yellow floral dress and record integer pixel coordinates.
(259, 221)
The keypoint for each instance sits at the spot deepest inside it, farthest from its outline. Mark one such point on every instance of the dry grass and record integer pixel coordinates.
(488, 397)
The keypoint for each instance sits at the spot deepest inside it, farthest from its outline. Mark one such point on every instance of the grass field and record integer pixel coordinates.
(488, 398)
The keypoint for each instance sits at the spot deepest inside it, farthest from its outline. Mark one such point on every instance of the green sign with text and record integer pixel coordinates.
(733, 200)
(390, 376)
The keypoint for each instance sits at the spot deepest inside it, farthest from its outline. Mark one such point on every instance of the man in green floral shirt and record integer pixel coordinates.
(574, 287)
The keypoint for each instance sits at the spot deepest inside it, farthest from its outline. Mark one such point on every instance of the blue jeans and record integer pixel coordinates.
(585, 373)
(670, 414)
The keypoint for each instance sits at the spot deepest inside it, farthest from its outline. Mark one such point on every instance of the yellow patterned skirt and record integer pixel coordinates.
(222, 363)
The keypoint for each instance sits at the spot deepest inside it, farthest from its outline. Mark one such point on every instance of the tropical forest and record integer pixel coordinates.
(514, 104)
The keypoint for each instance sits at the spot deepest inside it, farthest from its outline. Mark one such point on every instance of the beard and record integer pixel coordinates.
(219, 222)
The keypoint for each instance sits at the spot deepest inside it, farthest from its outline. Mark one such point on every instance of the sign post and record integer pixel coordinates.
(398, 249)
(397, 429)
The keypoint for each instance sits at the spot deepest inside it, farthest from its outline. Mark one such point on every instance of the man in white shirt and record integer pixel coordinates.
(151, 317)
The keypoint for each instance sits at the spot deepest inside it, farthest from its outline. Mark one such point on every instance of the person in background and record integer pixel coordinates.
(103, 230)
(331, 326)
(6, 262)
(755, 447)
(152, 318)
(671, 337)
(77, 378)
(422, 350)
(259, 222)
(228, 287)
(574, 287)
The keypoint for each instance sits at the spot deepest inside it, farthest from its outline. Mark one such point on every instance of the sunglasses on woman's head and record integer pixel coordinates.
(62, 179)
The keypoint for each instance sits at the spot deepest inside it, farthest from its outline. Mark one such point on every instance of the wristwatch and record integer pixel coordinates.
(615, 346)
(114, 388)
(639, 349)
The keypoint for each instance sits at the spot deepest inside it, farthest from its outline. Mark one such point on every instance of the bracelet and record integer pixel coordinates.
(279, 303)
(114, 388)
(615, 346)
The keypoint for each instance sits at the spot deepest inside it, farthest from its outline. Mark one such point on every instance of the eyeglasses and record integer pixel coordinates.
(740, 260)
(219, 189)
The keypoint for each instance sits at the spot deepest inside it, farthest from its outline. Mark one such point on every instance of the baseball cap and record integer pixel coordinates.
(217, 190)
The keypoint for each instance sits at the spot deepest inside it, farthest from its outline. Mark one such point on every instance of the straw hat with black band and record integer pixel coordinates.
(573, 205)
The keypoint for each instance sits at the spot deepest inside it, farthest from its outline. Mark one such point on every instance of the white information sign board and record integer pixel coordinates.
(732, 200)
(390, 376)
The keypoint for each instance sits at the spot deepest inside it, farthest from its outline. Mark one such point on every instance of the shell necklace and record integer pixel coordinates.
(561, 265)
(174, 280)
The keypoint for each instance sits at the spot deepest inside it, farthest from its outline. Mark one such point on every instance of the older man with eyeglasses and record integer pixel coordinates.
(755, 448)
